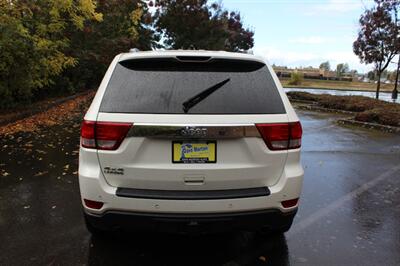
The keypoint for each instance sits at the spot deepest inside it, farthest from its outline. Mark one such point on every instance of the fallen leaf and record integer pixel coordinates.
(41, 173)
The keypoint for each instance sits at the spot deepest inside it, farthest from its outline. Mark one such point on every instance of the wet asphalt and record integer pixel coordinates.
(349, 212)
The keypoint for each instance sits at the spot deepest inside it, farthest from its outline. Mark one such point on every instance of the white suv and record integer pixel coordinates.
(190, 141)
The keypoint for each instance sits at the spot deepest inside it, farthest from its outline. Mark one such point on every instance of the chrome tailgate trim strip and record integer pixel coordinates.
(193, 132)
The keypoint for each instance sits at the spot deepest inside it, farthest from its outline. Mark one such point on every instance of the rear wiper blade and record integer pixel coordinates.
(188, 104)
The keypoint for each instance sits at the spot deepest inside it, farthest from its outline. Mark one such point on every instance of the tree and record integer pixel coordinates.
(296, 78)
(391, 76)
(325, 66)
(59, 46)
(394, 6)
(341, 69)
(377, 42)
(34, 41)
(126, 24)
(396, 81)
(384, 74)
(194, 24)
(371, 75)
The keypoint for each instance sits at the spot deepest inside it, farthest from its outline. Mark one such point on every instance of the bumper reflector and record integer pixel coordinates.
(93, 204)
(290, 203)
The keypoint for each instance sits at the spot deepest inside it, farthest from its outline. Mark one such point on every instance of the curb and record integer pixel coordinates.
(314, 107)
(301, 101)
(351, 121)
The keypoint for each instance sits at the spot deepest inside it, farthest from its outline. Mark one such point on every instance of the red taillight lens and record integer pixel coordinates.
(281, 136)
(290, 203)
(93, 204)
(110, 135)
(276, 136)
(295, 135)
(87, 134)
(103, 135)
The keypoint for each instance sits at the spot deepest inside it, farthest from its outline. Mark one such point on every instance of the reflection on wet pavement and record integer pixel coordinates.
(349, 214)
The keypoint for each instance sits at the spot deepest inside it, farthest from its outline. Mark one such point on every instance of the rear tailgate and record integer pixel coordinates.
(146, 155)
(192, 103)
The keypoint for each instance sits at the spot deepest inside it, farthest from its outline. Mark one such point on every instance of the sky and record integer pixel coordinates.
(304, 32)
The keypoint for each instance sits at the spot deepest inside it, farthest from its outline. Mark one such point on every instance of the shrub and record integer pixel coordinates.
(367, 109)
(349, 103)
(296, 78)
(386, 116)
(305, 96)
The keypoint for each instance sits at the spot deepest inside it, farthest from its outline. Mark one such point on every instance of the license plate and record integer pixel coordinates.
(194, 152)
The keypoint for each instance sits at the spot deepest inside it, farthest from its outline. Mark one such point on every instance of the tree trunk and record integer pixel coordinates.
(378, 87)
(395, 92)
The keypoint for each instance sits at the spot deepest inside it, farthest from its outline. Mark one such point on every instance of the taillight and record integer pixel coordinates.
(103, 135)
(87, 134)
(295, 135)
(110, 135)
(281, 136)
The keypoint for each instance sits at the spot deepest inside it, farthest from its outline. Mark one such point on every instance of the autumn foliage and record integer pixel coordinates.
(195, 24)
(378, 39)
(53, 47)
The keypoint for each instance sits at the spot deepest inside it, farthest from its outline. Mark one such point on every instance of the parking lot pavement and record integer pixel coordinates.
(349, 214)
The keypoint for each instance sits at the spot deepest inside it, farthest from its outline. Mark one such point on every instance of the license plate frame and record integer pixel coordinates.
(210, 158)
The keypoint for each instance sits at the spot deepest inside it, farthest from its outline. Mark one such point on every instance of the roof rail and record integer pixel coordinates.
(134, 50)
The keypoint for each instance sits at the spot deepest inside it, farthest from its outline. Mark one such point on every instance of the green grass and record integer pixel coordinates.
(337, 85)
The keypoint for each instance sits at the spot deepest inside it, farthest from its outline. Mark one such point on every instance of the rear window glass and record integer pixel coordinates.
(193, 86)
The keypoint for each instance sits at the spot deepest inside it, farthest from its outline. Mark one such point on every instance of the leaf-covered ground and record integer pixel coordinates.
(56, 115)
(44, 144)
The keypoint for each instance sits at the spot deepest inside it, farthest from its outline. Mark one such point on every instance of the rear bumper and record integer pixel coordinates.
(94, 187)
(271, 219)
